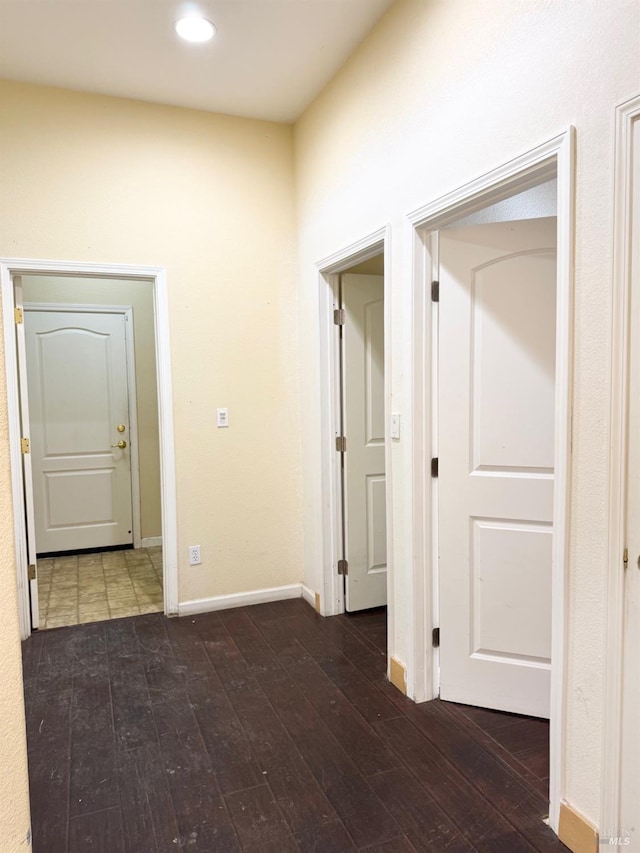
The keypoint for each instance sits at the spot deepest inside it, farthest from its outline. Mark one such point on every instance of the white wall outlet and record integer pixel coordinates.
(222, 417)
(195, 558)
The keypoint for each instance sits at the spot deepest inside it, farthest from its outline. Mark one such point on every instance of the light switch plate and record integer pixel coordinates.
(222, 417)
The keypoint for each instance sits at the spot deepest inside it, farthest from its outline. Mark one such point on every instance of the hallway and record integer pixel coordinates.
(264, 728)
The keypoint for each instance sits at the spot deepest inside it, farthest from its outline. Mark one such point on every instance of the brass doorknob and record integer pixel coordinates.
(121, 427)
(121, 444)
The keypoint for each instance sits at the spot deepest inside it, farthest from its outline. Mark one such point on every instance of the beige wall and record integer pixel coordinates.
(139, 295)
(91, 178)
(440, 93)
(210, 198)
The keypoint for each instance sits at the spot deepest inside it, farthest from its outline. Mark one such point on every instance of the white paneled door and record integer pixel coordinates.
(78, 412)
(497, 318)
(364, 461)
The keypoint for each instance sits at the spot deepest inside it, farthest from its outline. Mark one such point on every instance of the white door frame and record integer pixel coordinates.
(331, 591)
(556, 156)
(134, 457)
(10, 267)
(626, 177)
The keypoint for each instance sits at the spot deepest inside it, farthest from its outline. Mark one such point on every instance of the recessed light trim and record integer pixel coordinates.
(195, 29)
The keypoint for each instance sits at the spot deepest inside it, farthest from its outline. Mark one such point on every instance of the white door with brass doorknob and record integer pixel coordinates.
(79, 428)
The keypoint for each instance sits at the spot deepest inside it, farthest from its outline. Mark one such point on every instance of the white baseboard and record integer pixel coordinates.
(151, 542)
(241, 599)
(308, 595)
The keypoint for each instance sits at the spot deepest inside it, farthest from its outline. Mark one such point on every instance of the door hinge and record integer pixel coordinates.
(435, 638)
(24, 445)
(32, 573)
(341, 443)
(625, 557)
(339, 316)
(435, 291)
(434, 467)
(17, 316)
(343, 567)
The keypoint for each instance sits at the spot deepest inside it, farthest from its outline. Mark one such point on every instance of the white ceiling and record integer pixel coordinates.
(268, 60)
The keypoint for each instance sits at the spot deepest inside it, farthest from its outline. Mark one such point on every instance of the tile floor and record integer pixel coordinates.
(94, 587)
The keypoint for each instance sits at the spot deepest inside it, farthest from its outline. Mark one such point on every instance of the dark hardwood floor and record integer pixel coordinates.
(265, 728)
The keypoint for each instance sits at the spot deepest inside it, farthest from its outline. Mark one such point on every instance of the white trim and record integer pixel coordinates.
(151, 542)
(134, 442)
(625, 116)
(562, 472)
(167, 452)
(331, 590)
(308, 595)
(331, 587)
(27, 460)
(422, 667)
(355, 253)
(240, 599)
(388, 446)
(17, 479)
(521, 173)
(157, 275)
(534, 167)
(132, 398)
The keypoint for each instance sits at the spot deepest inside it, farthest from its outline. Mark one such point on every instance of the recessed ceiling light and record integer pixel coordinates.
(195, 29)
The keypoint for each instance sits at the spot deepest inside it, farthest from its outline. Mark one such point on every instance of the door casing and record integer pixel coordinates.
(10, 267)
(624, 379)
(331, 592)
(553, 158)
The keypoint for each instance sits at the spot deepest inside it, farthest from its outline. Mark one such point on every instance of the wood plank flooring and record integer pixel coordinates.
(266, 729)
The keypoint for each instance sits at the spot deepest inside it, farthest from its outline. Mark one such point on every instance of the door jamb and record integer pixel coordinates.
(127, 312)
(10, 267)
(329, 269)
(626, 173)
(556, 155)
